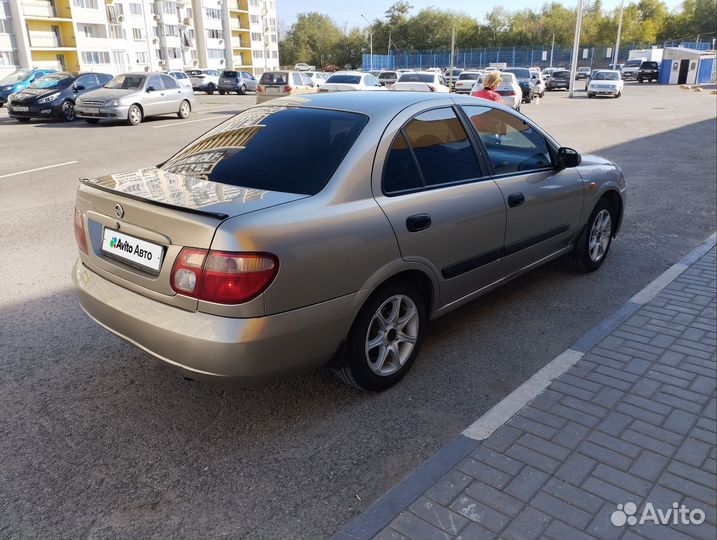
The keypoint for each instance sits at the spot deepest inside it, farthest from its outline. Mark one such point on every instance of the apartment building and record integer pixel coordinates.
(116, 36)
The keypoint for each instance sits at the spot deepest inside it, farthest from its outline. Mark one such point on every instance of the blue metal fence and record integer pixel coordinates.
(538, 56)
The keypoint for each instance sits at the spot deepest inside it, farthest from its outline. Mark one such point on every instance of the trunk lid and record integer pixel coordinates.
(158, 211)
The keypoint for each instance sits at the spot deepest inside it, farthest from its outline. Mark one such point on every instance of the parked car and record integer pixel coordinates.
(631, 67)
(317, 77)
(509, 90)
(582, 73)
(649, 71)
(274, 84)
(547, 72)
(302, 66)
(54, 95)
(538, 83)
(388, 79)
(525, 81)
(19, 80)
(181, 77)
(421, 81)
(451, 76)
(204, 80)
(236, 81)
(132, 97)
(605, 83)
(342, 81)
(314, 252)
(466, 81)
(559, 79)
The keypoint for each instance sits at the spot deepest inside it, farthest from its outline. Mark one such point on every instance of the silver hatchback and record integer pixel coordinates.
(132, 97)
(254, 253)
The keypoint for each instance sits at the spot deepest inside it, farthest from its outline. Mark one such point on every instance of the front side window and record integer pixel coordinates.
(53, 81)
(126, 82)
(512, 145)
(259, 149)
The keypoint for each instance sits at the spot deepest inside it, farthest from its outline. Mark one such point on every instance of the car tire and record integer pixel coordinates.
(242, 90)
(593, 244)
(23, 120)
(68, 111)
(92, 120)
(618, 94)
(385, 338)
(221, 92)
(134, 115)
(591, 95)
(210, 89)
(184, 109)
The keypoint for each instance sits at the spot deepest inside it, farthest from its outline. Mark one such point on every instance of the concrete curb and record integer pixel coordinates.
(381, 513)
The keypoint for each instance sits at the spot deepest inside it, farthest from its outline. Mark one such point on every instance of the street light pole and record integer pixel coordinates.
(552, 48)
(370, 38)
(617, 41)
(576, 49)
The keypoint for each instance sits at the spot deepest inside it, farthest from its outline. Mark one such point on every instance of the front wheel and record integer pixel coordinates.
(210, 89)
(134, 115)
(591, 95)
(184, 110)
(221, 92)
(592, 246)
(68, 111)
(384, 339)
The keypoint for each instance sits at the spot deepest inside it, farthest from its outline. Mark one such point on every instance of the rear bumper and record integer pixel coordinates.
(246, 351)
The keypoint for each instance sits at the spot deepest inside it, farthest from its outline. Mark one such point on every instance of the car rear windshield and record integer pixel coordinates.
(194, 72)
(633, 63)
(649, 65)
(560, 75)
(274, 77)
(344, 79)
(417, 77)
(468, 76)
(126, 82)
(387, 75)
(230, 74)
(293, 150)
(518, 72)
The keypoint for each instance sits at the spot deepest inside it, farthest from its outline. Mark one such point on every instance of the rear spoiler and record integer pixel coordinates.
(89, 182)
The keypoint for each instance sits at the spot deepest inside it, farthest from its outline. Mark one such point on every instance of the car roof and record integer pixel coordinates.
(384, 105)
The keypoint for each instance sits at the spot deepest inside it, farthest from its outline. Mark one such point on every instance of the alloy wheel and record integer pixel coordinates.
(68, 111)
(600, 233)
(392, 335)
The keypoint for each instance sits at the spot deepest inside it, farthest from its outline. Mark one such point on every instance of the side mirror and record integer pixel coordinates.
(151, 89)
(382, 83)
(567, 158)
(78, 87)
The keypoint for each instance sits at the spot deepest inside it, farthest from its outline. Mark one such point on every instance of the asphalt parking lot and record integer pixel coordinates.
(100, 440)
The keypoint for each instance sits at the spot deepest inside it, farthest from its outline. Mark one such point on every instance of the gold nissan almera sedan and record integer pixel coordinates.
(329, 229)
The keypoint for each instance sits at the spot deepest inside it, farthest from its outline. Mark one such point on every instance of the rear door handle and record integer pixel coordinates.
(515, 199)
(419, 222)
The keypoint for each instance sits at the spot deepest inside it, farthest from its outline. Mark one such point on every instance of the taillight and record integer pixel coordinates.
(80, 234)
(259, 89)
(223, 277)
(288, 88)
(510, 93)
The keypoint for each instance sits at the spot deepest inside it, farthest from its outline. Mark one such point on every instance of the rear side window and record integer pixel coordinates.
(259, 148)
(155, 82)
(442, 151)
(169, 82)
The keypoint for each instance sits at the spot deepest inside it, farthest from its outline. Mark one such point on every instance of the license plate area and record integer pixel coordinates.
(20, 109)
(91, 110)
(133, 251)
(274, 89)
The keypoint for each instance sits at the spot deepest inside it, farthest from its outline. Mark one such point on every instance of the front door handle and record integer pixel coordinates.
(515, 199)
(419, 222)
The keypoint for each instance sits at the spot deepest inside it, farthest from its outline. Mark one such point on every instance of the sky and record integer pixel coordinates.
(348, 12)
